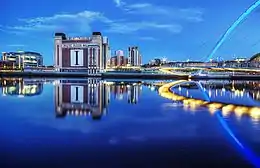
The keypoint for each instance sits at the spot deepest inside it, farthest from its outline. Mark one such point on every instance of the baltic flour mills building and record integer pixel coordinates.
(80, 54)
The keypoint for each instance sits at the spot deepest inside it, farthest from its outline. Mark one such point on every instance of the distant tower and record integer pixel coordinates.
(120, 57)
(119, 53)
(134, 57)
(108, 60)
(106, 54)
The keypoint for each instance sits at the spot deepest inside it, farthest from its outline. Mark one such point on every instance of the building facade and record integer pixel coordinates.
(192, 64)
(81, 54)
(118, 60)
(119, 53)
(6, 65)
(134, 56)
(23, 59)
(108, 62)
(113, 61)
(255, 61)
(155, 62)
(121, 60)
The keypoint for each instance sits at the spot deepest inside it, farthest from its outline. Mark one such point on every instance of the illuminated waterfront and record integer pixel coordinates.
(128, 123)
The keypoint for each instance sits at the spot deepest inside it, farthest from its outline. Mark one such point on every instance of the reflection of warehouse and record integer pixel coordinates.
(82, 98)
(23, 87)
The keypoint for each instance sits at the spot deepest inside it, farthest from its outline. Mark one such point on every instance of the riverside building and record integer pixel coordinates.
(134, 57)
(81, 54)
(23, 59)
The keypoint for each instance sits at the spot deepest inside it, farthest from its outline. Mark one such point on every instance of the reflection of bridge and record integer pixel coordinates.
(217, 108)
(21, 87)
(190, 70)
(236, 87)
(165, 91)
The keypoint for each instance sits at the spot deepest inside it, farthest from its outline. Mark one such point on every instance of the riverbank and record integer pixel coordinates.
(46, 74)
(125, 76)
(84, 75)
(234, 77)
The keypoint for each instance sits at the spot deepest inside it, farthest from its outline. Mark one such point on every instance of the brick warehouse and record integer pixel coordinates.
(80, 54)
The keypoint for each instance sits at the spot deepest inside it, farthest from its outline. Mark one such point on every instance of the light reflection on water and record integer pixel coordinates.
(123, 113)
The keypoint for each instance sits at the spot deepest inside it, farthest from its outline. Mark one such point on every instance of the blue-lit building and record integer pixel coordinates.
(23, 59)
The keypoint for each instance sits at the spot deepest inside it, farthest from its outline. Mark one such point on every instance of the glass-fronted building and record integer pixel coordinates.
(23, 59)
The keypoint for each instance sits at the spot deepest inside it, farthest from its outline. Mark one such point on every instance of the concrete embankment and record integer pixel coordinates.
(125, 76)
(235, 77)
(80, 75)
(141, 76)
(46, 74)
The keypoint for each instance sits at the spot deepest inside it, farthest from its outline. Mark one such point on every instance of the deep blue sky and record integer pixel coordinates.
(178, 30)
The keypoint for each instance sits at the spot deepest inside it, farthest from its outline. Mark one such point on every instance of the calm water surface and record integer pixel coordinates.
(94, 123)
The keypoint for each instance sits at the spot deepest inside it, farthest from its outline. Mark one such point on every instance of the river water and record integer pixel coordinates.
(124, 123)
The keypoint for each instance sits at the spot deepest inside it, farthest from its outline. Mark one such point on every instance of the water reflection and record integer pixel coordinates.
(132, 90)
(196, 94)
(136, 122)
(84, 98)
(21, 87)
(235, 92)
(91, 96)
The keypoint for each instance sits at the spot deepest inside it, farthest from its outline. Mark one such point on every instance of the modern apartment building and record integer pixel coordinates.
(134, 56)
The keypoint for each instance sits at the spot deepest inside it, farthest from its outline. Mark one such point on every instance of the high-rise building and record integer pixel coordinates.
(125, 61)
(106, 52)
(81, 54)
(118, 60)
(119, 53)
(108, 62)
(134, 56)
(113, 61)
